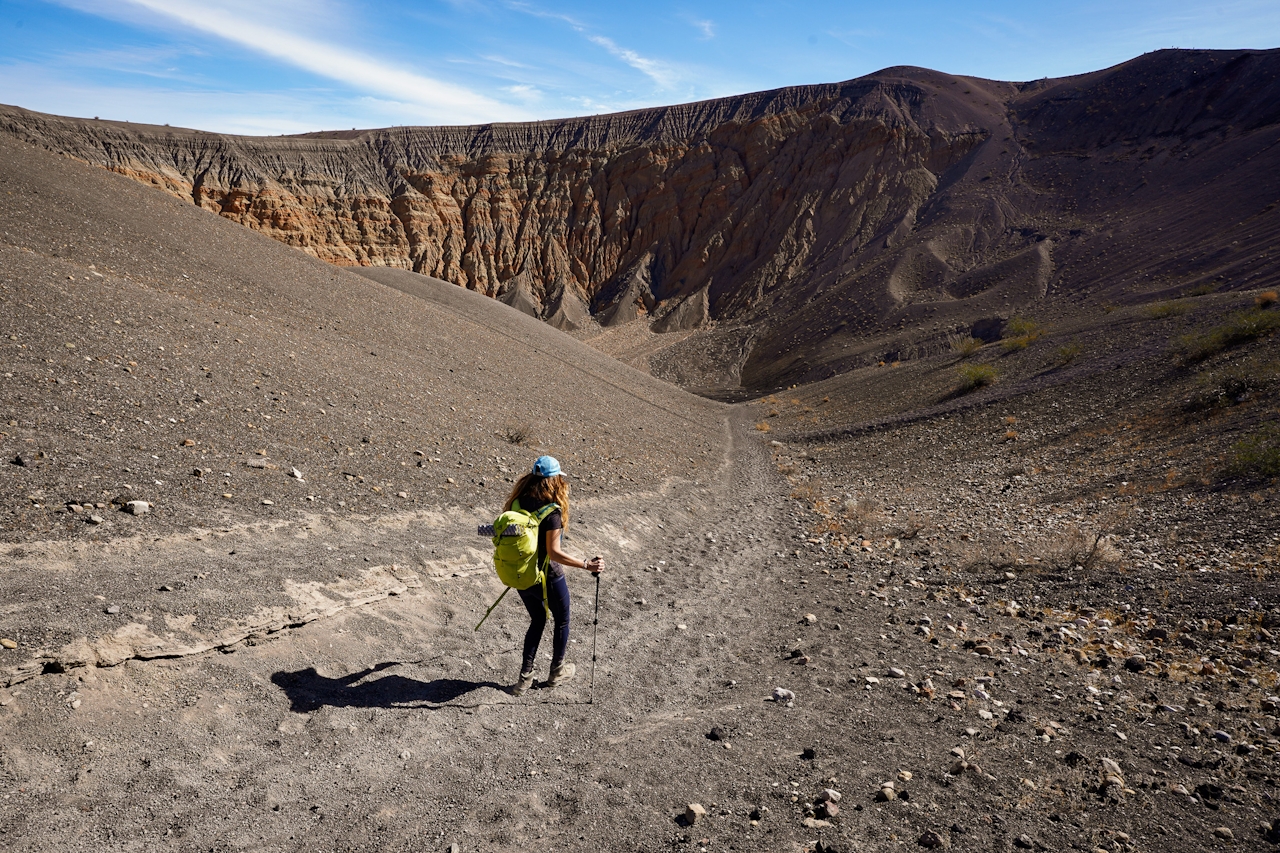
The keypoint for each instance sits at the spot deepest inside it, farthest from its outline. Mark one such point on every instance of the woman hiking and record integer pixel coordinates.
(546, 484)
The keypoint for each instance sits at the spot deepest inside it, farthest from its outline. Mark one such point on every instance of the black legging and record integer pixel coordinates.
(558, 601)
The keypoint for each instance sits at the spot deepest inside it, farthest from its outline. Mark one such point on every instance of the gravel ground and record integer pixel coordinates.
(1035, 616)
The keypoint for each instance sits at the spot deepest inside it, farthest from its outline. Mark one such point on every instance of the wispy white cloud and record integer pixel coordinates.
(65, 92)
(264, 32)
(707, 28)
(658, 72)
(524, 92)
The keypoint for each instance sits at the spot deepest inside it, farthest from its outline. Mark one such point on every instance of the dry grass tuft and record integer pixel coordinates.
(975, 376)
(518, 434)
(964, 345)
(1266, 299)
(862, 513)
(1240, 328)
(763, 426)
(1074, 547)
(1166, 309)
(1069, 352)
(805, 492)
(1258, 455)
(1020, 334)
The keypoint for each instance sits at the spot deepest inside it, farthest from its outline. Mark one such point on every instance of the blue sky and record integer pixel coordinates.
(289, 66)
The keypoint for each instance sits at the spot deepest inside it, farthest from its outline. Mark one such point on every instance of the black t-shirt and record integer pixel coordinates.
(554, 521)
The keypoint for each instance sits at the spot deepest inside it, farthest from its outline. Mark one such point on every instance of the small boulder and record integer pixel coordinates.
(930, 840)
(137, 507)
(693, 813)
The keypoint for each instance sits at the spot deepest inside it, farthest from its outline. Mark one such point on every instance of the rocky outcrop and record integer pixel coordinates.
(625, 213)
(803, 231)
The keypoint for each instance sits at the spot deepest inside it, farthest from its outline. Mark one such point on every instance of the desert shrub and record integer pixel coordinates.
(1258, 455)
(1240, 328)
(863, 513)
(1020, 334)
(1221, 392)
(805, 492)
(1199, 290)
(1069, 352)
(517, 434)
(1166, 309)
(1076, 547)
(964, 345)
(763, 426)
(1267, 299)
(975, 376)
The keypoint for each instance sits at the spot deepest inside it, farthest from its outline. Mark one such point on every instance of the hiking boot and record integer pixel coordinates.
(525, 682)
(559, 674)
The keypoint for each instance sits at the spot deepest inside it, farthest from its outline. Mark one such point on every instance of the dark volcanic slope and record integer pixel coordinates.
(822, 228)
(152, 350)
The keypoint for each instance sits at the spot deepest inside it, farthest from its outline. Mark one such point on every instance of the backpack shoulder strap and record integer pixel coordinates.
(546, 511)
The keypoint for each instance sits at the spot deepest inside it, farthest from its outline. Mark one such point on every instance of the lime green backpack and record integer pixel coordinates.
(515, 547)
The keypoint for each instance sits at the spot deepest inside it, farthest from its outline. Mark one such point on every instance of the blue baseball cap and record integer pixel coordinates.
(546, 466)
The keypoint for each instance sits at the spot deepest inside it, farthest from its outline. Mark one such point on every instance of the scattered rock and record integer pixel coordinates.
(693, 813)
(95, 519)
(930, 840)
(113, 610)
(9, 644)
(827, 810)
(717, 733)
(815, 823)
(1136, 663)
(810, 619)
(137, 507)
(809, 753)
(406, 755)
(829, 795)
(783, 695)
(886, 793)
(894, 672)
(1024, 842)
(268, 502)
(1225, 833)
(295, 474)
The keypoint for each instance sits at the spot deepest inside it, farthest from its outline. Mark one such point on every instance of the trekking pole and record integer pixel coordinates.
(595, 625)
(491, 606)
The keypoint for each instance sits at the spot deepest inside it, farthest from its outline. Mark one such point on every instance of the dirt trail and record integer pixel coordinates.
(388, 726)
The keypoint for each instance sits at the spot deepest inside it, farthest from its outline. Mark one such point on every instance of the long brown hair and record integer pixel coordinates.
(541, 490)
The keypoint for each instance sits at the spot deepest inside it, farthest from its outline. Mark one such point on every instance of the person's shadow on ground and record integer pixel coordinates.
(309, 691)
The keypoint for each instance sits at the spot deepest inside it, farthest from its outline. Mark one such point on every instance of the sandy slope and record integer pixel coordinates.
(225, 674)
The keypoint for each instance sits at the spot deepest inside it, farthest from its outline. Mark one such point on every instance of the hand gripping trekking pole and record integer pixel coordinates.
(595, 623)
